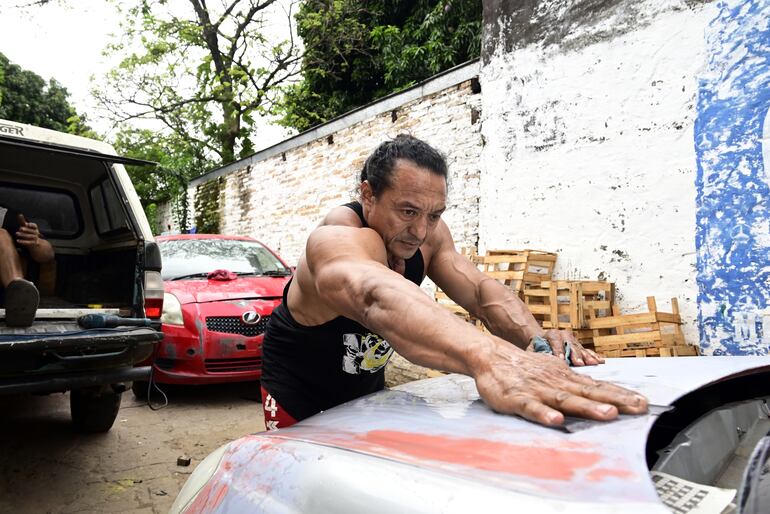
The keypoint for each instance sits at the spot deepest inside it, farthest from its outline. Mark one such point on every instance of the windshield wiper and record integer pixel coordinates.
(268, 273)
(191, 275)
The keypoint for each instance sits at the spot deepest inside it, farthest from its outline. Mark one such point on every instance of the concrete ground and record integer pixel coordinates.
(47, 468)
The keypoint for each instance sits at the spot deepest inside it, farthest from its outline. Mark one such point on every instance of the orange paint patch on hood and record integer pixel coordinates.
(537, 462)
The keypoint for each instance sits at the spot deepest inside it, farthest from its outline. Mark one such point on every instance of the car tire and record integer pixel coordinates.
(94, 410)
(139, 389)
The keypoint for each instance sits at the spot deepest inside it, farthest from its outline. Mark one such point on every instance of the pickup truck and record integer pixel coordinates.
(106, 264)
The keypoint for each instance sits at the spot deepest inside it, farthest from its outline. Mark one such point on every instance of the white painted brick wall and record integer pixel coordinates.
(590, 153)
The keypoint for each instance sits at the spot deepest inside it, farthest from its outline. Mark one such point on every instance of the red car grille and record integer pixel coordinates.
(234, 325)
(230, 365)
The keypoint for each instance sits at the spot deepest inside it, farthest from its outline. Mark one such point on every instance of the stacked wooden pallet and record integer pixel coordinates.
(515, 269)
(570, 304)
(588, 309)
(585, 307)
(651, 333)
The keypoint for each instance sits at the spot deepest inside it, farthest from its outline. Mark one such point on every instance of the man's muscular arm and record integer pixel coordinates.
(350, 276)
(342, 216)
(499, 308)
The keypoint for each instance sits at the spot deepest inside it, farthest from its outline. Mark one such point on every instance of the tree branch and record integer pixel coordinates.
(225, 14)
(245, 23)
(210, 36)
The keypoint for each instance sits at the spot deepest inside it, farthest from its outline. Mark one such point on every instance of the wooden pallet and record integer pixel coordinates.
(569, 304)
(517, 268)
(664, 351)
(511, 267)
(554, 304)
(598, 297)
(652, 333)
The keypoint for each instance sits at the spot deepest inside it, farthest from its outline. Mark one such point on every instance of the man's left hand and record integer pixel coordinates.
(579, 356)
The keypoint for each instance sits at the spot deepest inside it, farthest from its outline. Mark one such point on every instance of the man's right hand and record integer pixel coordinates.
(542, 388)
(28, 235)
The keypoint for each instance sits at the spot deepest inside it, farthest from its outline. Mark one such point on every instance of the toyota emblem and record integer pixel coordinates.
(251, 317)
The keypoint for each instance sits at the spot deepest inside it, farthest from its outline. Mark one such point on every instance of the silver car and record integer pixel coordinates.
(433, 446)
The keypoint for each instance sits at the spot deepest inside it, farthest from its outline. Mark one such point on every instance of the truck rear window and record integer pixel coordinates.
(55, 211)
(106, 205)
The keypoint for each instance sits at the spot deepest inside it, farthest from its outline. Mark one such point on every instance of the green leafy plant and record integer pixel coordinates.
(358, 52)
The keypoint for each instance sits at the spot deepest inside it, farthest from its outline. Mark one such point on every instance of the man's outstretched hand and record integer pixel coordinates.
(543, 389)
(578, 356)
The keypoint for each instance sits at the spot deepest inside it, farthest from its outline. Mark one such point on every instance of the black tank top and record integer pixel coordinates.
(310, 369)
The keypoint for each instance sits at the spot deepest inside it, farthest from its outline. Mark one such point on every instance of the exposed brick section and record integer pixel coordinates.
(279, 200)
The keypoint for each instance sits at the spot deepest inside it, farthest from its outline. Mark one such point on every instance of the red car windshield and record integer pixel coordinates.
(195, 258)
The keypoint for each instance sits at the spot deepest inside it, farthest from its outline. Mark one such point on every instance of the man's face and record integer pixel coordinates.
(408, 211)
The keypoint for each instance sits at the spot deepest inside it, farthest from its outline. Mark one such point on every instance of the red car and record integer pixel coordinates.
(213, 324)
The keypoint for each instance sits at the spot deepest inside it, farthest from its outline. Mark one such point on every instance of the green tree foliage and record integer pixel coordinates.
(178, 160)
(26, 97)
(358, 51)
(205, 70)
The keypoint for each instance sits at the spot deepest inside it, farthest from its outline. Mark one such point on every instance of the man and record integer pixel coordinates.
(20, 296)
(355, 294)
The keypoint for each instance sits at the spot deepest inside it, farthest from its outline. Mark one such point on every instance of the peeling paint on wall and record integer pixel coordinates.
(569, 24)
(589, 148)
(732, 142)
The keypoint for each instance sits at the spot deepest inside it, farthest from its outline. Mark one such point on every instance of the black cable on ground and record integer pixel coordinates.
(150, 384)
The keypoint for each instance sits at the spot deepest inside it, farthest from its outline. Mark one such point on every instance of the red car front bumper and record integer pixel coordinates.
(215, 345)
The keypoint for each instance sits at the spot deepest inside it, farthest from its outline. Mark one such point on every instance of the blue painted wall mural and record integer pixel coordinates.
(732, 144)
